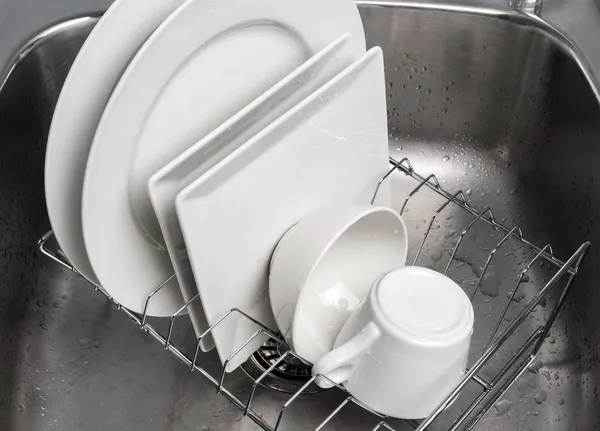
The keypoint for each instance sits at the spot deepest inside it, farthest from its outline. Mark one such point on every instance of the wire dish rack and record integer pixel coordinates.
(491, 389)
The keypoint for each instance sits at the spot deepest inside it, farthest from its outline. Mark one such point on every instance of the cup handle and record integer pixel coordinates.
(339, 364)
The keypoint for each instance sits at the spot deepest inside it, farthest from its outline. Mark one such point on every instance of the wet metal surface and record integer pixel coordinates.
(493, 104)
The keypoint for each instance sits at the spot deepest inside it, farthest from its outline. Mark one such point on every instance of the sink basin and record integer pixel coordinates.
(495, 103)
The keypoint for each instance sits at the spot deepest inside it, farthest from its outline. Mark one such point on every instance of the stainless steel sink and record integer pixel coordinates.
(495, 103)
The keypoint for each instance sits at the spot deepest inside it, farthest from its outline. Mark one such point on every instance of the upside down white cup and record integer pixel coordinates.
(406, 347)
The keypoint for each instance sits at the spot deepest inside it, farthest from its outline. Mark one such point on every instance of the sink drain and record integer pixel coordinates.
(288, 376)
(290, 369)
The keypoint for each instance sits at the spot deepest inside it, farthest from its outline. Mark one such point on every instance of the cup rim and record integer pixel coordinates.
(464, 330)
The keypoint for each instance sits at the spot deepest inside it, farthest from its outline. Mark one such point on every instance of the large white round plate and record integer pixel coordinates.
(95, 72)
(202, 65)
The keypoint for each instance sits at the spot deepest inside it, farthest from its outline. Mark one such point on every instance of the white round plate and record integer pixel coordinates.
(203, 64)
(108, 49)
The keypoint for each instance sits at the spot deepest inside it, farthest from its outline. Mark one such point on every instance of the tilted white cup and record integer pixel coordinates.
(324, 267)
(406, 347)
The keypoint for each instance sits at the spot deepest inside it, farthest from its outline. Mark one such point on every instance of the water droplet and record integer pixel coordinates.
(446, 158)
(436, 256)
(535, 366)
(523, 385)
(519, 295)
(490, 285)
(469, 192)
(547, 375)
(540, 396)
(343, 303)
(502, 407)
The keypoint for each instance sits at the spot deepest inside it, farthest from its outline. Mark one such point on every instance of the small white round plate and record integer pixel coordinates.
(208, 60)
(107, 51)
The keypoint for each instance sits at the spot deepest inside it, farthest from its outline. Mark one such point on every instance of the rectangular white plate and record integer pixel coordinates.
(332, 147)
(179, 173)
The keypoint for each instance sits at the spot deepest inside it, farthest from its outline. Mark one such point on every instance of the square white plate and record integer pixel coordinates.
(332, 147)
(202, 156)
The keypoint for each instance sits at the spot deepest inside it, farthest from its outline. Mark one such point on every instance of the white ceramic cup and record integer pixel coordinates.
(406, 348)
(323, 268)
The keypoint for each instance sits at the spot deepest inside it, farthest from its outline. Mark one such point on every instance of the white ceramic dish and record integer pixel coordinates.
(406, 348)
(330, 148)
(95, 72)
(179, 173)
(201, 66)
(324, 267)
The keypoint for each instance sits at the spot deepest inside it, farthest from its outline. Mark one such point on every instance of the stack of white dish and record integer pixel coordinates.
(190, 136)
